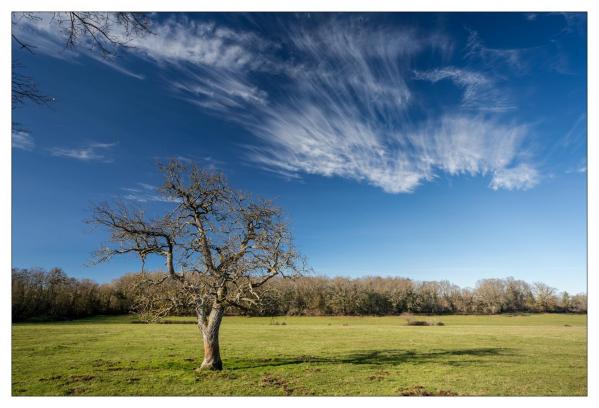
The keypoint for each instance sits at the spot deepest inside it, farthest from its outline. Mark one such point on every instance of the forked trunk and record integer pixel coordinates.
(210, 330)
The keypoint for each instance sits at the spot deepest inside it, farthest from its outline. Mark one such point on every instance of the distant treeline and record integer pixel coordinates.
(52, 295)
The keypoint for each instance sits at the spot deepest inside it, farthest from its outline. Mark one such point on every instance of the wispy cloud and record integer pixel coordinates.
(548, 56)
(22, 140)
(92, 152)
(581, 167)
(144, 192)
(480, 91)
(234, 82)
(111, 62)
(397, 160)
(338, 101)
(220, 91)
(553, 55)
(47, 36)
(216, 66)
(516, 59)
(577, 133)
(349, 117)
(181, 40)
(205, 161)
(575, 22)
(520, 177)
(41, 32)
(346, 110)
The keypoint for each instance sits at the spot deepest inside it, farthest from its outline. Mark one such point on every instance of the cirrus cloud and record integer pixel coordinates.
(91, 152)
(334, 97)
(22, 140)
(520, 177)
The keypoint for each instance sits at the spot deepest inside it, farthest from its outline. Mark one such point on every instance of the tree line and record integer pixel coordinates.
(52, 295)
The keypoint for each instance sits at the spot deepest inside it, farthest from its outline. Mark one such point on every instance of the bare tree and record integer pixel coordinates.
(545, 297)
(219, 246)
(490, 294)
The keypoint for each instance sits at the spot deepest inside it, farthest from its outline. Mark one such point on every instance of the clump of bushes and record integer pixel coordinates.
(424, 323)
(418, 323)
(274, 322)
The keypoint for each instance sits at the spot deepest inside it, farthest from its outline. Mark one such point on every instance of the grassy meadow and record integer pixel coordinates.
(468, 355)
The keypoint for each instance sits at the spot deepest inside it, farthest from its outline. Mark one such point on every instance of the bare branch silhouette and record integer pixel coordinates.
(218, 244)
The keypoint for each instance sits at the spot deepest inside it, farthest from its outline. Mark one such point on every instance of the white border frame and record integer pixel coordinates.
(7, 6)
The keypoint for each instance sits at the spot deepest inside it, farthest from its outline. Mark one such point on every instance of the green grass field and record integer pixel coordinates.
(469, 355)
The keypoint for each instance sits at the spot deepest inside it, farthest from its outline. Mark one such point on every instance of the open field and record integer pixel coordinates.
(469, 355)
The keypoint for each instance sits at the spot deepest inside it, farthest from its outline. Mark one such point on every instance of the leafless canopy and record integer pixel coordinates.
(24, 88)
(219, 245)
(104, 32)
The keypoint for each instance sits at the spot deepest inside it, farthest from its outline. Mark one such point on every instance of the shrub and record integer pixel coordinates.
(418, 323)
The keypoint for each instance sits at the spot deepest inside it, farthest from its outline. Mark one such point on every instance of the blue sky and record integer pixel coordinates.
(432, 146)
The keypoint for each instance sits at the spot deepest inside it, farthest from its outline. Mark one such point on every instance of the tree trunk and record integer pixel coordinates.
(210, 329)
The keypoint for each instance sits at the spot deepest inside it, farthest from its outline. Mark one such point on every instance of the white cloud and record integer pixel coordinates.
(92, 152)
(497, 58)
(188, 41)
(480, 91)
(345, 61)
(577, 134)
(218, 90)
(575, 21)
(521, 177)
(45, 33)
(175, 41)
(349, 61)
(553, 55)
(41, 32)
(22, 140)
(580, 168)
(342, 104)
(146, 193)
(396, 161)
(348, 116)
(214, 64)
(147, 186)
(111, 62)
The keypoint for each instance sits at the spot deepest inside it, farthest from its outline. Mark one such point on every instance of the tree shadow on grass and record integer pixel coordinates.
(386, 357)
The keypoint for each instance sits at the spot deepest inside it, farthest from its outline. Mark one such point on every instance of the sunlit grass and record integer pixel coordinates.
(469, 355)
